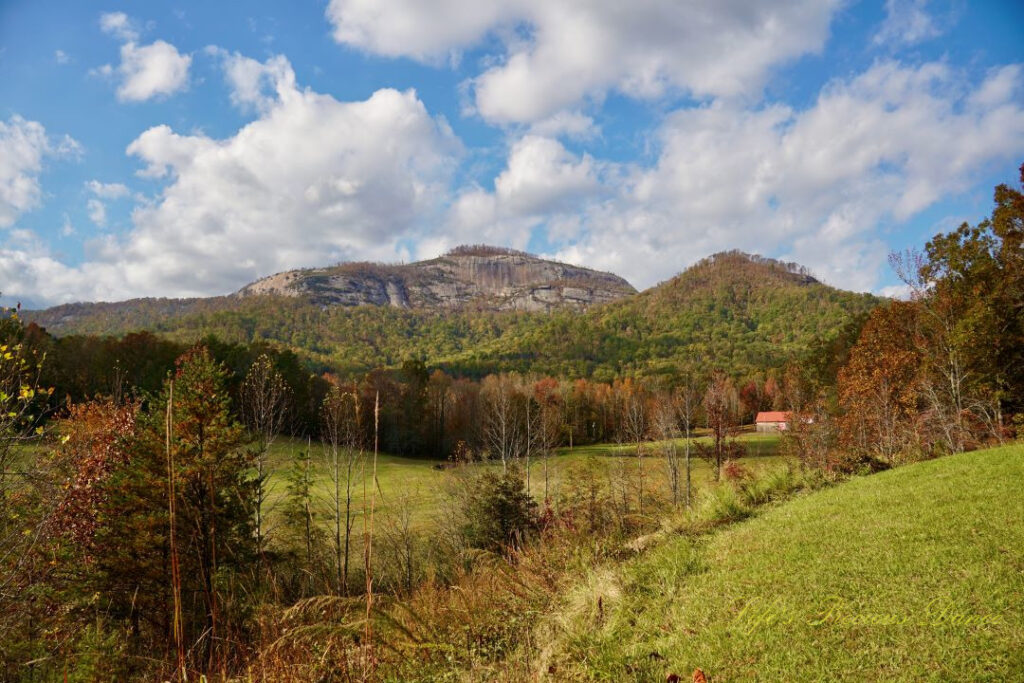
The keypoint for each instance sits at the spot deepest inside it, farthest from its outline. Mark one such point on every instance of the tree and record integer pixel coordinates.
(264, 400)
(300, 515)
(721, 406)
(21, 397)
(635, 427)
(549, 423)
(340, 427)
(499, 514)
(210, 468)
(879, 390)
(666, 427)
(503, 430)
(25, 506)
(687, 399)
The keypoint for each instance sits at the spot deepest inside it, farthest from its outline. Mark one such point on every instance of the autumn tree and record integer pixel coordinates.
(968, 286)
(721, 407)
(879, 390)
(21, 402)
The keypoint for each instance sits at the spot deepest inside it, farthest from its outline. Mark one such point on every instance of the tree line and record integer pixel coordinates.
(140, 535)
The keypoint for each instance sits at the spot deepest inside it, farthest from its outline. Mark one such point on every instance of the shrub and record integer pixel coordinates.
(499, 514)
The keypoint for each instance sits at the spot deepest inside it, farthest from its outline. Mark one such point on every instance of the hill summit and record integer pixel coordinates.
(477, 276)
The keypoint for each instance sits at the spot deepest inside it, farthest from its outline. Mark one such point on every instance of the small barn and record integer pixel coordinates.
(773, 421)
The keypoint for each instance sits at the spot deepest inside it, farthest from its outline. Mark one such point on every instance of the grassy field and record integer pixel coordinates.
(420, 483)
(912, 574)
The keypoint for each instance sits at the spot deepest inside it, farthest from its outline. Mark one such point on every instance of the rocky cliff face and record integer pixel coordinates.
(483, 277)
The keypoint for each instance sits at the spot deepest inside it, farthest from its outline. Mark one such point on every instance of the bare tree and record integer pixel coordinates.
(264, 397)
(548, 430)
(503, 430)
(340, 426)
(686, 400)
(665, 426)
(635, 426)
(400, 543)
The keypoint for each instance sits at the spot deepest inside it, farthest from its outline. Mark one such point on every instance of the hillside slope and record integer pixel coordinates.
(732, 310)
(912, 574)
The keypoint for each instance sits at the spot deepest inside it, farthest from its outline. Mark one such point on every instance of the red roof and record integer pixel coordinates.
(773, 416)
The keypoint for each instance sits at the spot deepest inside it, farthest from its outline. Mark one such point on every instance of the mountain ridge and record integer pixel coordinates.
(731, 309)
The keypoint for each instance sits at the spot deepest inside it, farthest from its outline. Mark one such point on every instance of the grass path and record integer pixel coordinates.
(912, 574)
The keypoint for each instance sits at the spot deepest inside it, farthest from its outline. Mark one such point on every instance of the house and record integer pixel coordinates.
(773, 421)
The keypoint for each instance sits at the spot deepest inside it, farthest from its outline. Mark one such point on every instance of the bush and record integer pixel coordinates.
(499, 514)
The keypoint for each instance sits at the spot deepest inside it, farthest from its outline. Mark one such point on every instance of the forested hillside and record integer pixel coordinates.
(732, 310)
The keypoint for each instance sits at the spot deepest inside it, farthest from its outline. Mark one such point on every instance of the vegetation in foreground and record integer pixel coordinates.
(139, 540)
(911, 574)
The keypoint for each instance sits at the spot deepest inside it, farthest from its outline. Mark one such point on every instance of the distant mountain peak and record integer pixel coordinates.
(733, 256)
(470, 276)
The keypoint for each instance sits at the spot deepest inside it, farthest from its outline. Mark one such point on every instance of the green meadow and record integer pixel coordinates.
(420, 484)
(912, 574)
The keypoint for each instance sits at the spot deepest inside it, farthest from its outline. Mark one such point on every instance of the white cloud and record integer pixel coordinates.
(559, 53)
(255, 86)
(61, 57)
(119, 25)
(907, 22)
(24, 145)
(543, 183)
(812, 186)
(151, 70)
(311, 181)
(145, 71)
(97, 212)
(107, 190)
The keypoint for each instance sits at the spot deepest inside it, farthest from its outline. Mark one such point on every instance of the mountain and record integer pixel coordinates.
(732, 310)
(479, 276)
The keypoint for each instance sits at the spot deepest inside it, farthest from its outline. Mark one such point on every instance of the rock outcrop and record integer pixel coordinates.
(468, 277)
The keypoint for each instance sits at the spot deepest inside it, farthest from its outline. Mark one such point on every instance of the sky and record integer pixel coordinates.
(188, 148)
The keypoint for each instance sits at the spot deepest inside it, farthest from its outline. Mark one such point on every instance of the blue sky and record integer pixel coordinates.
(179, 149)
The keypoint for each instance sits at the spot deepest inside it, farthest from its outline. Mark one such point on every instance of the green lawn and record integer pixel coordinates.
(912, 574)
(419, 483)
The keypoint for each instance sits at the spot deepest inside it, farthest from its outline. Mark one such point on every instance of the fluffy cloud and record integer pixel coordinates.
(558, 53)
(151, 70)
(119, 25)
(871, 151)
(145, 71)
(23, 147)
(255, 86)
(311, 181)
(543, 183)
